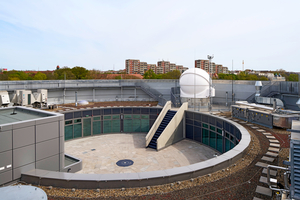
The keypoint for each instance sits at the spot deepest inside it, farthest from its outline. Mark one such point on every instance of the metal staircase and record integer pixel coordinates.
(151, 92)
(267, 91)
(168, 117)
(175, 97)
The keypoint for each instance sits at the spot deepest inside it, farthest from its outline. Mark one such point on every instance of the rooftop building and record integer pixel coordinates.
(162, 67)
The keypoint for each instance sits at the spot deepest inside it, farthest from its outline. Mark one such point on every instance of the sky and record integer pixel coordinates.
(102, 34)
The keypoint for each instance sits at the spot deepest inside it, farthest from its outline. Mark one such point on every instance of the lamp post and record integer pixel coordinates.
(210, 81)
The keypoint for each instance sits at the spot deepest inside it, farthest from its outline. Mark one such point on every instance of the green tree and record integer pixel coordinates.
(50, 75)
(149, 74)
(175, 74)
(40, 76)
(263, 78)
(93, 74)
(227, 76)
(242, 76)
(293, 77)
(80, 72)
(62, 72)
(18, 75)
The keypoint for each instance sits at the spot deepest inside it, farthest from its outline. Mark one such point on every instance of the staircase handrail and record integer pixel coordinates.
(175, 96)
(152, 92)
(263, 91)
(157, 122)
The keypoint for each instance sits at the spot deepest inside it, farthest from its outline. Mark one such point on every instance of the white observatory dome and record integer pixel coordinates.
(194, 83)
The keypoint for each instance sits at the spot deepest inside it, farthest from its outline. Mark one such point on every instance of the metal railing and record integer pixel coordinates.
(268, 88)
(151, 92)
(286, 188)
(289, 87)
(175, 97)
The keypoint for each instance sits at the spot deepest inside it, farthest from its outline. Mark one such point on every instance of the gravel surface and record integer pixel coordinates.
(105, 104)
(238, 181)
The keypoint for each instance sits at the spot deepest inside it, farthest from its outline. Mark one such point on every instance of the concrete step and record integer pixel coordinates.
(270, 137)
(261, 130)
(266, 134)
(272, 172)
(261, 164)
(265, 158)
(264, 190)
(274, 145)
(273, 149)
(254, 127)
(264, 180)
(274, 141)
(255, 198)
(271, 154)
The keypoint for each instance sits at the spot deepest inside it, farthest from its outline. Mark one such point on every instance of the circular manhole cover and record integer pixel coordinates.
(124, 163)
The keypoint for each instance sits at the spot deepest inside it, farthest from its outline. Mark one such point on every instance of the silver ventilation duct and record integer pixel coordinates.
(298, 103)
(258, 86)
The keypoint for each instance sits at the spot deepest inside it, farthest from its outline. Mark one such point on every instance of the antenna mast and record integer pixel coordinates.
(210, 81)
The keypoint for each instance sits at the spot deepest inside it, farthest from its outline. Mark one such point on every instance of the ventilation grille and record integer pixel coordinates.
(295, 169)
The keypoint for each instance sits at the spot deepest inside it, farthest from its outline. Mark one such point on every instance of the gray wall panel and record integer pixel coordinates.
(177, 135)
(23, 137)
(46, 120)
(18, 171)
(62, 144)
(6, 127)
(47, 131)
(50, 163)
(5, 141)
(62, 161)
(23, 156)
(47, 149)
(5, 177)
(6, 159)
(23, 124)
(62, 128)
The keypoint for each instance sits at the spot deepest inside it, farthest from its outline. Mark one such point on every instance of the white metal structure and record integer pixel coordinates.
(4, 98)
(26, 97)
(194, 83)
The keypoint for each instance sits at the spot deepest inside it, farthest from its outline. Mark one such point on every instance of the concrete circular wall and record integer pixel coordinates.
(142, 179)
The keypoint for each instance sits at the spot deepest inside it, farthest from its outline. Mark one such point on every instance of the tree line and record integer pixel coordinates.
(82, 73)
(246, 76)
(63, 73)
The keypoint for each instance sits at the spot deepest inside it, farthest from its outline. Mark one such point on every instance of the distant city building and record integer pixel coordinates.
(152, 67)
(162, 67)
(270, 75)
(165, 65)
(132, 66)
(215, 68)
(143, 67)
(3, 69)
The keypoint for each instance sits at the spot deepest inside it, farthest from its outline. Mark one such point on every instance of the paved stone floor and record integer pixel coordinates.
(99, 154)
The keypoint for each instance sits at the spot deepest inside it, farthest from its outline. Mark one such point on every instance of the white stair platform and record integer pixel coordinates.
(264, 180)
(274, 141)
(261, 164)
(273, 149)
(264, 190)
(272, 172)
(274, 145)
(271, 154)
(265, 158)
(270, 137)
